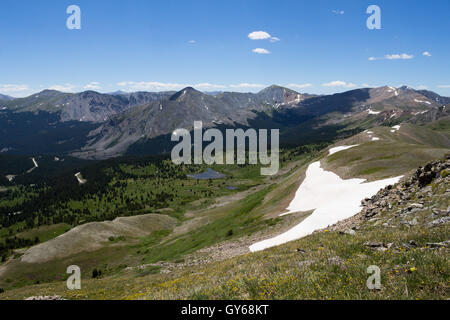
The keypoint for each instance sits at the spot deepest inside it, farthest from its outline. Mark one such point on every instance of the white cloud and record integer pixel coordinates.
(261, 51)
(426, 54)
(208, 86)
(299, 86)
(365, 85)
(259, 35)
(339, 83)
(192, 41)
(247, 85)
(65, 87)
(422, 87)
(338, 11)
(12, 88)
(444, 86)
(161, 86)
(92, 86)
(151, 86)
(262, 35)
(402, 56)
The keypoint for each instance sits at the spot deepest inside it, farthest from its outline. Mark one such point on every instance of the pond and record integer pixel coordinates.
(208, 174)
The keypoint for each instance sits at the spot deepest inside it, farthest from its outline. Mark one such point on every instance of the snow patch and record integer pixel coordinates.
(332, 199)
(374, 112)
(340, 148)
(421, 101)
(392, 89)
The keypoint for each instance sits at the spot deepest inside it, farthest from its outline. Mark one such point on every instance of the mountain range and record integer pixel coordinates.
(93, 125)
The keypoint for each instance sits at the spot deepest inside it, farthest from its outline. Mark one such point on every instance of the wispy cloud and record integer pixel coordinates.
(402, 56)
(426, 54)
(338, 12)
(247, 85)
(446, 86)
(261, 51)
(192, 41)
(161, 86)
(299, 86)
(151, 86)
(209, 86)
(338, 83)
(13, 88)
(63, 87)
(92, 86)
(262, 35)
(422, 87)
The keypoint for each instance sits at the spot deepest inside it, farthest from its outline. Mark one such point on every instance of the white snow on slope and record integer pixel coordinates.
(35, 162)
(392, 89)
(374, 112)
(375, 138)
(395, 128)
(341, 148)
(421, 101)
(332, 199)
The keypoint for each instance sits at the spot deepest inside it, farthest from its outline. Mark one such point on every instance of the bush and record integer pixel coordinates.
(445, 173)
(1, 290)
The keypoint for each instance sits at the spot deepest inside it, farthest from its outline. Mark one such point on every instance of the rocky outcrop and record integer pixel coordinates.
(416, 186)
(425, 190)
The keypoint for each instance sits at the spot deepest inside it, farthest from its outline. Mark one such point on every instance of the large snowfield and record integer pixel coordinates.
(333, 199)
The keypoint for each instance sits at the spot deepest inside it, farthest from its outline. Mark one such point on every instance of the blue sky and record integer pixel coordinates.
(315, 46)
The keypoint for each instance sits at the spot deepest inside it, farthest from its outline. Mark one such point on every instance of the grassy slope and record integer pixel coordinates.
(329, 265)
(394, 154)
(248, 276)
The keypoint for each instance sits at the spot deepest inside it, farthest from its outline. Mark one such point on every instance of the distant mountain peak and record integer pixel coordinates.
(405, 87)
(188, 91)
(48, 92)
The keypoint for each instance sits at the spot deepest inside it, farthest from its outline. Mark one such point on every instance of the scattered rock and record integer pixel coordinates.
(373, 244)
(379, 246)
(336, 261)
(350, 232)
(439, 221)
(45, 298)
(444, 244)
